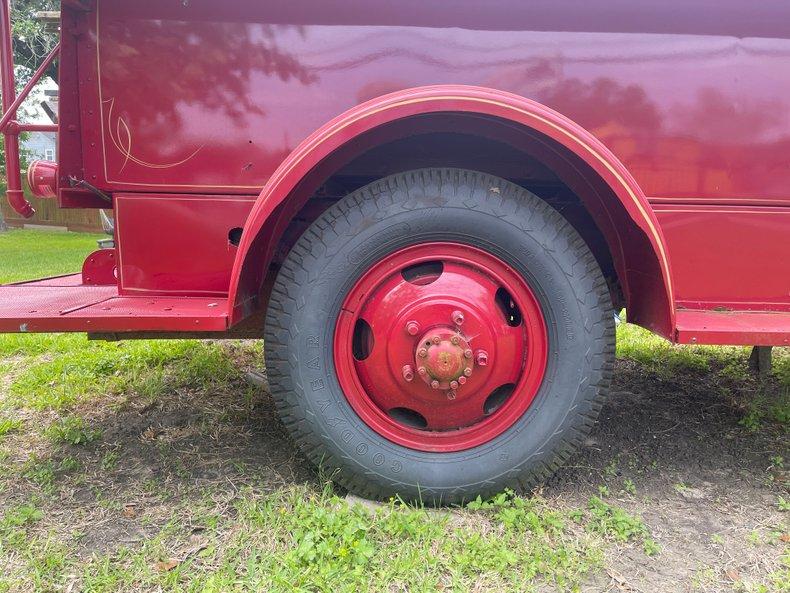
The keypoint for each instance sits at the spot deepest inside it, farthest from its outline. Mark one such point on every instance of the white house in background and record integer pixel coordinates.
(41, 145)
(41, 108)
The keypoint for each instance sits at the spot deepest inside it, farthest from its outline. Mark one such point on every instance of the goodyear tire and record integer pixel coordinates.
(438, 335)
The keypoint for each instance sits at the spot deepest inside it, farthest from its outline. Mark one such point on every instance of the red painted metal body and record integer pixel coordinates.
(177, 244)
(668, 120)
(42, 179)
(67, 304)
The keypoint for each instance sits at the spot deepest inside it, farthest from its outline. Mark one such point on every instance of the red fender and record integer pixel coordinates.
(248, 271)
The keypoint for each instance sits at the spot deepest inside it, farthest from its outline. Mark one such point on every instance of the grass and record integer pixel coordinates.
(9, 425)
(57, 393)
(60, 372)
(669, 362)
(27, 255)
(300, 539)
(72, 431)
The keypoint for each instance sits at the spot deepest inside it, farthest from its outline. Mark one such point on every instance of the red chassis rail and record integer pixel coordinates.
(66, 304)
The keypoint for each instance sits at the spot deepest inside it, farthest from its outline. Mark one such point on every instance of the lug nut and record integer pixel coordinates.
(435, 384)
(462, 380)
(468, 371)
(458, 317)
(467, 354)
(408, 373)
(412, 328)
(453, 385)
(454, 340)
(422, 371)
(436, 339)
(422, 353)
(451, 394)
(482, 358)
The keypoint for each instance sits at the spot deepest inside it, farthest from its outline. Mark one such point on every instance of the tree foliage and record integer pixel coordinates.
(32, 41)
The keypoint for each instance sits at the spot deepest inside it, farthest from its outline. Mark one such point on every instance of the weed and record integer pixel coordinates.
(73, 431)
(650, 547)
(16, 521)
(41, 473)
(614, 522)
(69, 464)
(9, 425)
(752, 420)
(109, 461)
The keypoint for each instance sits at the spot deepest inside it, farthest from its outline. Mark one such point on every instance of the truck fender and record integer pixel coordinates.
(260, 232)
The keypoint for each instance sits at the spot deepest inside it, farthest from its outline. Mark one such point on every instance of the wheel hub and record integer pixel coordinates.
(444, 358)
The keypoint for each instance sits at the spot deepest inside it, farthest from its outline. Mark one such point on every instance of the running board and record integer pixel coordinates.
(733, 328)
(64, 304)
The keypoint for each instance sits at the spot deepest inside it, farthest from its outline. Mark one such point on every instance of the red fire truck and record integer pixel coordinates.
(428, 210)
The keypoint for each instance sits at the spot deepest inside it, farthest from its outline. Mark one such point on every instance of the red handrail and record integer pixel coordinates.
(9, 127)
(10, 112)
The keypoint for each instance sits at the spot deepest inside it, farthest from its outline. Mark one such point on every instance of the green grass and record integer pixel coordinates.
(72, 431)
(27, 255)
(298, 539)
(726, 364)
(61, 372)
(9, 425)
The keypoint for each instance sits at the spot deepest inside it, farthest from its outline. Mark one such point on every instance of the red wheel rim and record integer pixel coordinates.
(440, 347)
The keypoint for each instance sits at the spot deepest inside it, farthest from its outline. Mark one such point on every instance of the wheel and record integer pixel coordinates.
(438, 335)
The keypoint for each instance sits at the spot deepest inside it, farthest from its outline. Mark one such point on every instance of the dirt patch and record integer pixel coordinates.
(707, 487)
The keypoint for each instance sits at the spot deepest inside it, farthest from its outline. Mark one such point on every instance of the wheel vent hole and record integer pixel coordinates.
(497, 398)
(508, 307)
(362, 342)
(409, 418)
(423, 273)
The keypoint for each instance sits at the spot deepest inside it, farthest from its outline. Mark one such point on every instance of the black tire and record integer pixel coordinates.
(406, 209)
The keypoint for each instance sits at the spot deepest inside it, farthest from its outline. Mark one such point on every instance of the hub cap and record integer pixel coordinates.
(440, 347)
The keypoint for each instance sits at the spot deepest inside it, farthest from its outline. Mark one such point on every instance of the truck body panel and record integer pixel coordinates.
(187, 113)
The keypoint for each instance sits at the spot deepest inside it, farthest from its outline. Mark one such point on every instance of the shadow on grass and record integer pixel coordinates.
(178, 421)
(686, 414)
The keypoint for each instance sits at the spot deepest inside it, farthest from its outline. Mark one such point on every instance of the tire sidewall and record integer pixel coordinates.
(531, 238)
